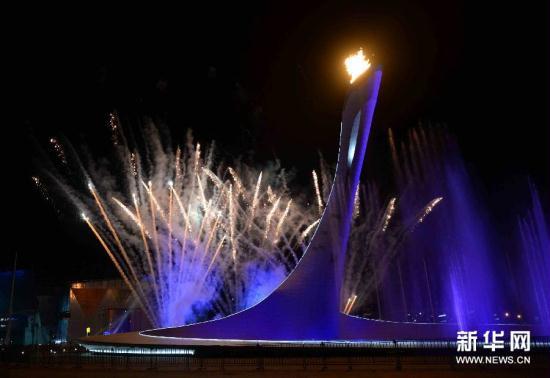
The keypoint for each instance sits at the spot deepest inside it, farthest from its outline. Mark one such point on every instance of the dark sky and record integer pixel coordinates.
(269, 76)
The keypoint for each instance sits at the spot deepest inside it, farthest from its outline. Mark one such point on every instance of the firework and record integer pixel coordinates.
(58, 149)
(374, 243)
(317, 191)
(194, 239)
(189, 237)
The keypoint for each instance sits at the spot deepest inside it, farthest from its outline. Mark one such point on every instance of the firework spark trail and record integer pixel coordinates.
(349, 304)
(126, 258)
(388, 214)
(153, 200)
(213, 177)
(210, 238)
(129, 213)
(326, 178)
(352, 303)
(156, 245)
(256, 192)
(201, 191)
(270, 216)
(198, 235)
(58, 148)
(232, 223)
(186, 230)
(197, 160)
(213, 259)
(309, 229)
(113, 124)
(429, 208)
(118, 267)
(177, 162)
(345, 309)
(317, 192)
(146, 250)
(170, 257)
(282, 220)
(113, 231)
(133, 164)
(356, 203)
(41, 188)
(183, 212)
(238, 183)
(270, 195)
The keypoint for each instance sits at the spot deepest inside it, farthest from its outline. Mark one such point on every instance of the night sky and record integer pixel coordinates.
(269, 77)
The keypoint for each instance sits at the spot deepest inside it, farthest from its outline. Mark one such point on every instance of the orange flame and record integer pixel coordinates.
(356, 65)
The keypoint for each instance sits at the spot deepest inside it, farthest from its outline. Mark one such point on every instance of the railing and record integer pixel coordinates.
(396, 355)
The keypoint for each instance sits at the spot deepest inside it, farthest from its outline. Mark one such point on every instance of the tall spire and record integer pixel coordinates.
(307, 304)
